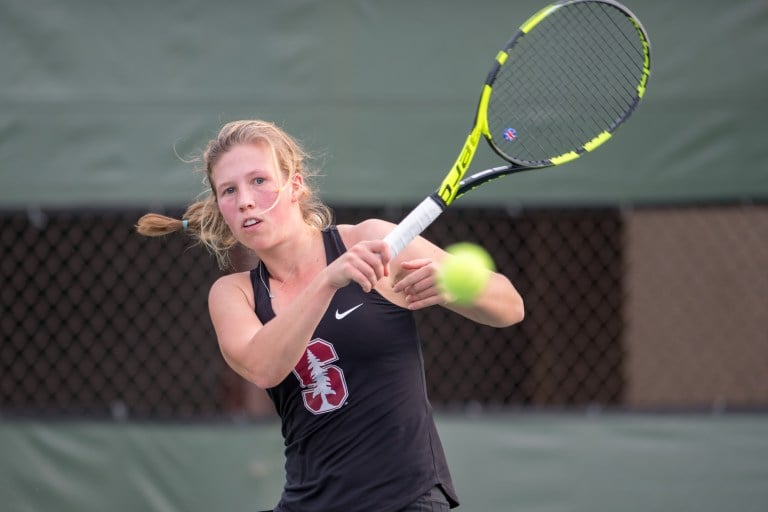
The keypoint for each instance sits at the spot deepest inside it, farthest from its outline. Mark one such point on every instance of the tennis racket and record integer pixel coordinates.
(570, 76)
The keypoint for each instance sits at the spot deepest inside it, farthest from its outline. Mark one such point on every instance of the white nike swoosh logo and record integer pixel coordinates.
(339, 316)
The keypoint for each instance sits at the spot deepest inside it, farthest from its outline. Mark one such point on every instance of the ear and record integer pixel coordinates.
(297, 187)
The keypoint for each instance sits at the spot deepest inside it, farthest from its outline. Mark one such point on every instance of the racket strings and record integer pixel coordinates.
(595, 71)
(501, 114)
(606, 53)
(573, 76)
(538, 107)
(530, 103)
(591, 97)
(607, 101)
(612, 36)
(566, 56)
(634, 58)
(562, 93)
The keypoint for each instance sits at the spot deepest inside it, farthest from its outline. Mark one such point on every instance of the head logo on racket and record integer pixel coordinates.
(510, 134)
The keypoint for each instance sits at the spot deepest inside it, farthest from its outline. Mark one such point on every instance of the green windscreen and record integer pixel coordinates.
(105, 103)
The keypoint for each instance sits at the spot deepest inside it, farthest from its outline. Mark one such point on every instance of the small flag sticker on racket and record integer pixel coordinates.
(510, 134)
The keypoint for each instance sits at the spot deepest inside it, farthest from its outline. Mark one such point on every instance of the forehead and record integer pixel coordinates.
(243, 158)
(246, 154)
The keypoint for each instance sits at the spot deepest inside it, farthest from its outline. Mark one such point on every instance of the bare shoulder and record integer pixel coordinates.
(231, 287)
(370, 229)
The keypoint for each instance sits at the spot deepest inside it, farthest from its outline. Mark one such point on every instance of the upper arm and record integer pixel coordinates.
(231, 307)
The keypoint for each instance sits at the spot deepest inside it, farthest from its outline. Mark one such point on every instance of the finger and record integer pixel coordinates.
(376, 254)
(415, 264)
(386, 255)
(424, 293)
(363, 277)
(424, 282)
(369, 274)
(432, 300)
(372, 266)
(412, 280)
(407, 284)
(378, 247)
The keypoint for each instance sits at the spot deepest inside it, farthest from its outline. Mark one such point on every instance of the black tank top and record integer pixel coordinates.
(358, 427)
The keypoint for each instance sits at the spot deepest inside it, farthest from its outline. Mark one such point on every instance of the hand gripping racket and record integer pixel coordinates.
(569, 77)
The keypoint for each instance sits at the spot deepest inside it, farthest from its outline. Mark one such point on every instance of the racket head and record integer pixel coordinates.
(571, 75)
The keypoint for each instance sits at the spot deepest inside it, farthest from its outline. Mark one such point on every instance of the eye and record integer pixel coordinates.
(228, 190)
(259, 180)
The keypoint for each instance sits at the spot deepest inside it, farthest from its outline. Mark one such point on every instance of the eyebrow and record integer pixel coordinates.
(254, 172)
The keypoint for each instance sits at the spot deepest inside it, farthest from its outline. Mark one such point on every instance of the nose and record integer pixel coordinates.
(245, 201)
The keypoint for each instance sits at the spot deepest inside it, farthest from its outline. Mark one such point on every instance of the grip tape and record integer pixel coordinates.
(413, 224)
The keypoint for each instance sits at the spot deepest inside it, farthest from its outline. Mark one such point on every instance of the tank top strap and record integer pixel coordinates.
(259, 282)
(334, 246)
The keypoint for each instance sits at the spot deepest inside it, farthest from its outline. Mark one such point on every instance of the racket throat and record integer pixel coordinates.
(450, 185)
(448, 189)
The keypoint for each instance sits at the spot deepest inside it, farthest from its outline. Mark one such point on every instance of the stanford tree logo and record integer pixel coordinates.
(326, 388)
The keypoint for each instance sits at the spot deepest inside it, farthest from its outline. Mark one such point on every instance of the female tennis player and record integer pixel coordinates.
(324, 324)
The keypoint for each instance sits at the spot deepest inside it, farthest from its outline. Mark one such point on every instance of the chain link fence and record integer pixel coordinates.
(98, 321)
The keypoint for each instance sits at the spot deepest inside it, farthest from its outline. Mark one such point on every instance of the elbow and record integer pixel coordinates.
(264, 382)
(507, 304)
(499, 314)
(513, 315)
(262, 378)
(265, 378)
(519, 313)
(519, 309)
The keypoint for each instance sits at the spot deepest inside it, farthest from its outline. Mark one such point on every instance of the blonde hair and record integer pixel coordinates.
(203, 220)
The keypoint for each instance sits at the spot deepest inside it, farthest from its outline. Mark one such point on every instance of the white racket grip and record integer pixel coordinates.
(412, 225)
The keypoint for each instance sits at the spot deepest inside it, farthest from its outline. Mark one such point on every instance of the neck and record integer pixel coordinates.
(297, 256)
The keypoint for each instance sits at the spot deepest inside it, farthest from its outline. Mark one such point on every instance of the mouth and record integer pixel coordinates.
(250, 222)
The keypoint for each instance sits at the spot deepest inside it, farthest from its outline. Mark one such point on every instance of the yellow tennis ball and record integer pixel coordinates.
(464, 274)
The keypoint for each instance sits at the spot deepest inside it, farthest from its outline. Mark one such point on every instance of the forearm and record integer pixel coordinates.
(273, 351)
(500, 305)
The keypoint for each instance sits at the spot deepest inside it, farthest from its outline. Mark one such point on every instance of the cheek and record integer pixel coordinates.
(227, 209)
